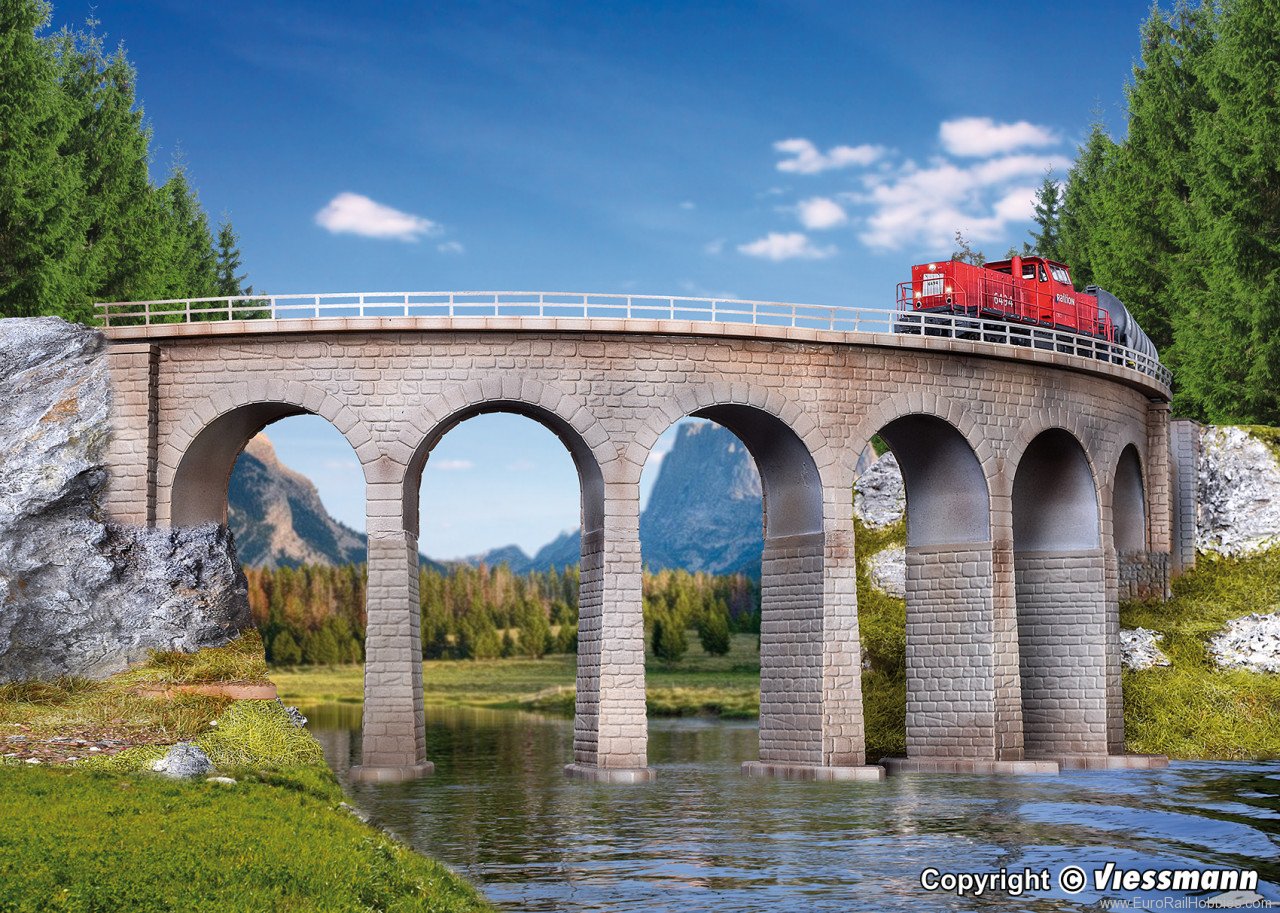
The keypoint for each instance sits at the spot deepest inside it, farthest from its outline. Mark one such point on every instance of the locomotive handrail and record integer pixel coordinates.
(584, 305)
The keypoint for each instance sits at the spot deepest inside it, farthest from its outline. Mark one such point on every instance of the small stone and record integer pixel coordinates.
(183, 761)
(1139, 650)
(888, 571)
(295, 717)
(225, 781)
(94, 748)
(33, 760)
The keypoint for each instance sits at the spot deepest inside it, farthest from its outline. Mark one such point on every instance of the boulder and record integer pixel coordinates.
(83, 596)
(1239, 492)
(1251, 643)
(183, 761)
(880, 498)
(1139, 649)
(888, 571)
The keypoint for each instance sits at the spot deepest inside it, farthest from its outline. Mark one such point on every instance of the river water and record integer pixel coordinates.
(705, 838)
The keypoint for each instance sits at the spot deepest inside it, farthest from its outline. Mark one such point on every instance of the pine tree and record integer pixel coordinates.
(191, 265)
(535, 632)
(285, 650)
(669, 640)
(230, 282)
(41, 195)
(1229, 340)
(1081, 217)
(713, 629)
(1046, 238)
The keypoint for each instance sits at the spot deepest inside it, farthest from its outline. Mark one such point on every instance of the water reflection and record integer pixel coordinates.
(705, 838)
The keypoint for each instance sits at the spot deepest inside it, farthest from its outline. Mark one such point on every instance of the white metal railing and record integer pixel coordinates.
(577, 305)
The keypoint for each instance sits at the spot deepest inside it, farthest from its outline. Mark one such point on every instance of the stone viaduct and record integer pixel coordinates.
(1038, 483)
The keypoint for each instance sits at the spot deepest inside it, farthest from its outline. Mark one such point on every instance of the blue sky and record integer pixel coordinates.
(790, 151)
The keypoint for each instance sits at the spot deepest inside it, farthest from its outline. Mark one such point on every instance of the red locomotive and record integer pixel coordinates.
(1030, 291)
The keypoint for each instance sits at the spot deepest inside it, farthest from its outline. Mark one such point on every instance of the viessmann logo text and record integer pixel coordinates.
(1072, 879)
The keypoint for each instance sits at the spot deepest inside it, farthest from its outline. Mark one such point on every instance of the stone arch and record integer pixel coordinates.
(565, 416)
(1064, 616)
(196, 461)
(1056, 502)
(797, 715)
(1128, 503)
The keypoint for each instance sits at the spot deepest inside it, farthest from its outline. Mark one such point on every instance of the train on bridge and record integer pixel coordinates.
(1027, 291)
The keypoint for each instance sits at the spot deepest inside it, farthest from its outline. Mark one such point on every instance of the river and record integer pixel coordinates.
(705, 838)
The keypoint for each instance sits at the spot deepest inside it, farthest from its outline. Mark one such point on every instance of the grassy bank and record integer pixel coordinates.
(90, 828)
(1192, 709)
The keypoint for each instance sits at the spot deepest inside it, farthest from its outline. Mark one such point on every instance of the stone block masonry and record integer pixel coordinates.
(192, 395)
(950, 652)
(1062, 637)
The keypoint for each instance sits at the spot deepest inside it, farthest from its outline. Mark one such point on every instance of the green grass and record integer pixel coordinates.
(242, 661)
(102, 834)
(882, 627)
(1192, 709)
(77, 840)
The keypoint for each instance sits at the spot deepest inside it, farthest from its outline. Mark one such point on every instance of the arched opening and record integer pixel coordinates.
(1060, 582)
(1129, 505)
(294, 502)
(490, 491)
(740, 496)
(928, 680)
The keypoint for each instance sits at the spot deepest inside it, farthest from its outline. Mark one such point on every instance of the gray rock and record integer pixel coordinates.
(83, 596)
(888, 571)
(295, 715)
(1239, 493)
(225, 781)
(183, 761)
(880, 498)
(1251, 643)
(1139, 649)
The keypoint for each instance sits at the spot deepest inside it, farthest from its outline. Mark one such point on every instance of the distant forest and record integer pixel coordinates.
(80, 218)
(314, 615)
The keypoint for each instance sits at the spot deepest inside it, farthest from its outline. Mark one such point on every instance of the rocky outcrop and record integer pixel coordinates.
(1251, 643)
(1140, 649)
(80, 595)
(880, 497)
(1239, 492)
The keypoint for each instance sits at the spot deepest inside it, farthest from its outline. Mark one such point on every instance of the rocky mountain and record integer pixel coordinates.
(277, 517)
(705, 511)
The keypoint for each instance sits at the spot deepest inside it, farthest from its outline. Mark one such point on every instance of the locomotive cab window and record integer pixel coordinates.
(1043, 276)
(1028, 271)
(1060, 275)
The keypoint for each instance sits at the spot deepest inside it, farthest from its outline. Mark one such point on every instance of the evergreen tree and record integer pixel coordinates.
(230, 280)
(285, 650)
(1081, 218)
(186, 242)
(41, 194)
(669, 640)
(1046, 237)
(713, 629)
(1229, 339)
(567, 639)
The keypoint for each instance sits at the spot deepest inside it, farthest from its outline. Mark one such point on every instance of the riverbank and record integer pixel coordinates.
(87, 826)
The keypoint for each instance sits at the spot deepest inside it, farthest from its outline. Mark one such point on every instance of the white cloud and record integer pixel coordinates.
(981, 136)
(924, 206)
(817, 213)
(688, 204)
(806, 158)
(450, 465)
(351, 213)
(793, 245)
(451, 247)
